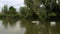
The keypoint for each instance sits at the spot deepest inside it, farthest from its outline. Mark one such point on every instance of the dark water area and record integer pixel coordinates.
(17, 26)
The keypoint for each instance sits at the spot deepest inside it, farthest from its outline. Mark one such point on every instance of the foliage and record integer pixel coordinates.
(23, 12)
(5, 10)
(12, 11)
(32, 9)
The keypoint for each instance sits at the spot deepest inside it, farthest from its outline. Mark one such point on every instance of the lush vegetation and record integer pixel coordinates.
(34, 10)
(43, 11)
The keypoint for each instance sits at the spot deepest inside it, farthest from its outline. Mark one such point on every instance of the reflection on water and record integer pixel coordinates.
(6, 27)
(53, 23)
(14, 26)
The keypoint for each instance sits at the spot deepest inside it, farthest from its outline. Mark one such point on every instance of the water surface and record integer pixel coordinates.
(14, 26)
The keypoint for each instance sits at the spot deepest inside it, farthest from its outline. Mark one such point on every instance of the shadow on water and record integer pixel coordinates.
(31, 28)
(42, 28)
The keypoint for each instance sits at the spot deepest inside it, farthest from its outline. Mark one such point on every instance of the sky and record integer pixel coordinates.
(15, 3)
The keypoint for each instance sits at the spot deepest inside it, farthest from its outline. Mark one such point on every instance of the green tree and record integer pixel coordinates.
(5, 10)
(34, 5)
(51, 6)
(12, 11)
(35, 8)
(24, 12)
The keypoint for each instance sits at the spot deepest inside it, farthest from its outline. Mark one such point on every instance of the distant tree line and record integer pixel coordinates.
(11, 11)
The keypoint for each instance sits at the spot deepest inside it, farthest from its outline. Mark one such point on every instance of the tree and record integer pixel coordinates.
(51, 6)
(33, 5)
(12, 11)
(24, 12)
(5, 10)
(35, 8)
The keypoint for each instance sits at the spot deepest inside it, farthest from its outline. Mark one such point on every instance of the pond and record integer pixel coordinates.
(14, 26)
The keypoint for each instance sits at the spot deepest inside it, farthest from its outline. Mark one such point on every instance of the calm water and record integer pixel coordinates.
(14, 26)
